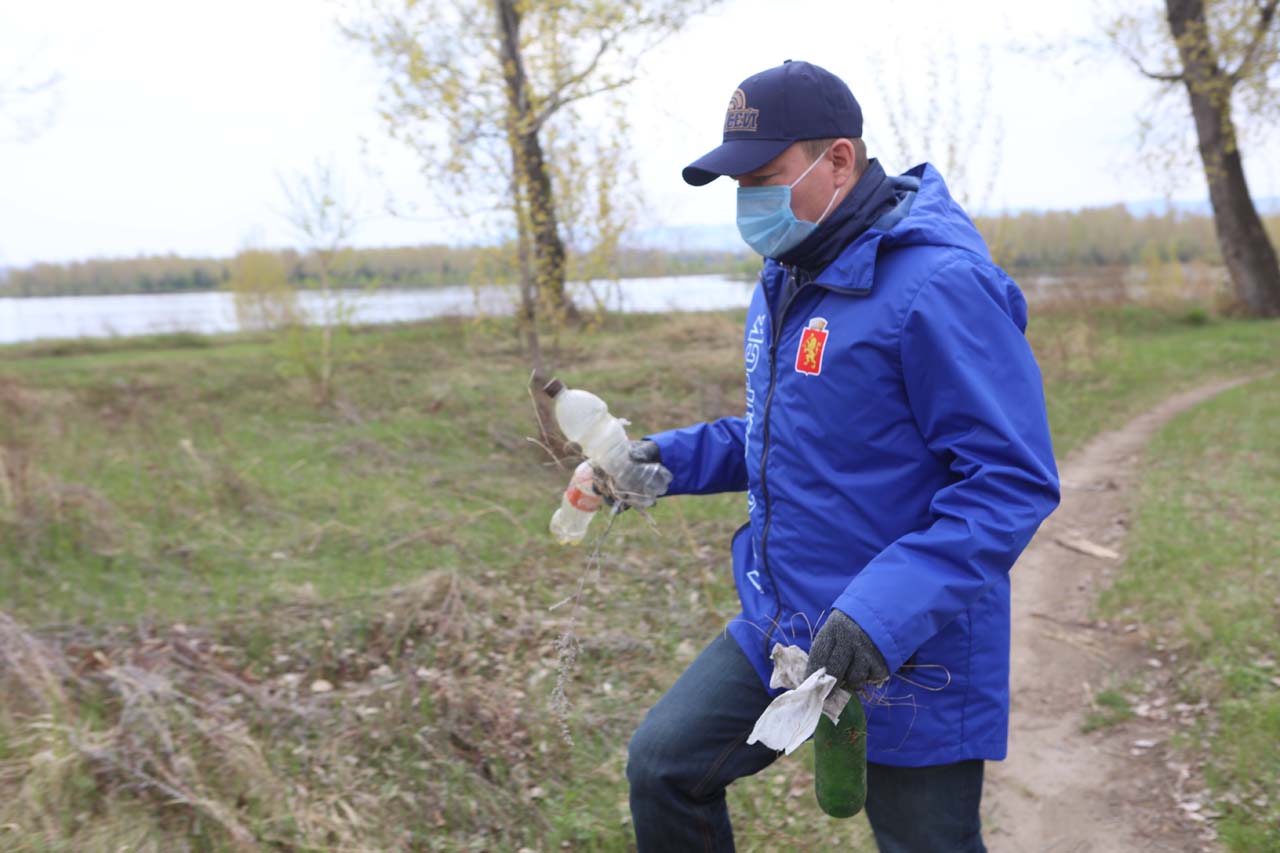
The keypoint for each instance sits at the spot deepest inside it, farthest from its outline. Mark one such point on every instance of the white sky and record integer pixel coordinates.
(174, 117)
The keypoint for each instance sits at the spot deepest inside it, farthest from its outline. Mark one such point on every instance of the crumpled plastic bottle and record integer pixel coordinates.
(584, 419)
(577, 507)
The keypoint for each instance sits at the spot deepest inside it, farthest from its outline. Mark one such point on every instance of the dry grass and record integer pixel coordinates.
(32, 500)
(237, 620)
(154, 723)
(172, 728)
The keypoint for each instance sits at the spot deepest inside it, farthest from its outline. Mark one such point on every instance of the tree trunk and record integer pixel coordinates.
(527, 314)
(1247, 251)
(326, 336)
(531, 171)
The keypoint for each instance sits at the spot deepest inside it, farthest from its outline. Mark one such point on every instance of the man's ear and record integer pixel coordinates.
(843, 162)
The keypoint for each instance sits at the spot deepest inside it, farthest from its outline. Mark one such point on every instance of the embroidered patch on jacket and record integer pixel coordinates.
(812, 344)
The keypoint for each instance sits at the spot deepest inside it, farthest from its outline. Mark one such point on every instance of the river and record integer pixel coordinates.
(31, 319)
(40, 318)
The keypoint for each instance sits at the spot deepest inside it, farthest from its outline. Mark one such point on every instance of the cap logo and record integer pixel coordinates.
(740, 117)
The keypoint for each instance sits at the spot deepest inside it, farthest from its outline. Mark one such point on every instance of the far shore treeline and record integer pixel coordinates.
(1028, 242)
(405, 267)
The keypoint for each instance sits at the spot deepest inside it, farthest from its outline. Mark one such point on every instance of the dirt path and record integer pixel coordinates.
(1114, 789)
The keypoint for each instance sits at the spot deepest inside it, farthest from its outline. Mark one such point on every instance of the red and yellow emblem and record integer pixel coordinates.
(812, 343)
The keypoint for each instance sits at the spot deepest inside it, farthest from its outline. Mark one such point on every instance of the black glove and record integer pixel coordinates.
(847, 653)
(643, 451)
(641, 480)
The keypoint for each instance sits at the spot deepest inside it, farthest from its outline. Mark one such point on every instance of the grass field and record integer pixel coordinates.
(238, 618)
(1203, 573)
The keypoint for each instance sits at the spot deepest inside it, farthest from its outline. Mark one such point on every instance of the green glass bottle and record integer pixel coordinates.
(840, 761)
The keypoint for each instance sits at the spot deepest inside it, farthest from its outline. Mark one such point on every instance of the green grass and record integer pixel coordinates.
(1112, 708)
(1102, 367)
(1204, 571)
(147, 485)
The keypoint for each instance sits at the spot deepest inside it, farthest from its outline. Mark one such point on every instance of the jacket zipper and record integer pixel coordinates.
(764, 457)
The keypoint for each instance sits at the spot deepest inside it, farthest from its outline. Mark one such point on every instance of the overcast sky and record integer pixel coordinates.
(173, 118)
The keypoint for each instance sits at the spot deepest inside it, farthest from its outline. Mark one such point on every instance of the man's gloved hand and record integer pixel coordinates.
(847, 653)
(642, 479)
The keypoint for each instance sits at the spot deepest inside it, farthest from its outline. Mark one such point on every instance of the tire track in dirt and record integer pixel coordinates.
(1062, 791)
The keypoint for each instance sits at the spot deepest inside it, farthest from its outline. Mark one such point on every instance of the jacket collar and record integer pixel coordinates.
(853, 270)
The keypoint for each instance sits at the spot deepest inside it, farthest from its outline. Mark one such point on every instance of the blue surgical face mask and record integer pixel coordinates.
(766, 221)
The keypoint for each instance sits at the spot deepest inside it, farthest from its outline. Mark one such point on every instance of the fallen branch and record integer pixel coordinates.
(1084, 546)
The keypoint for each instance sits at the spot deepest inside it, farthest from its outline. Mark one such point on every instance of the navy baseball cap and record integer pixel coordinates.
(773, 109)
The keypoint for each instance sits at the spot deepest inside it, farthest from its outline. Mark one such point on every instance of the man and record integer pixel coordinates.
(896, 458)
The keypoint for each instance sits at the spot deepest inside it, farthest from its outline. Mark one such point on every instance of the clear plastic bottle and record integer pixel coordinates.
(577, 507)
(584, 419)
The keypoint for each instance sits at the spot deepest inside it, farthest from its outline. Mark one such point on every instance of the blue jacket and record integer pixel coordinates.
(896, 457)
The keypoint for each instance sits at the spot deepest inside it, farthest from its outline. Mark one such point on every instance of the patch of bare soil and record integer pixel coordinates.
(1116, 788)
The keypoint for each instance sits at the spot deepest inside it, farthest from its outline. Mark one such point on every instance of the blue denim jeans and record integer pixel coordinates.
(692, 745)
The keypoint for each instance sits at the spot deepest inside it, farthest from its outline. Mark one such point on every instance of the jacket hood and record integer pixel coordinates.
(936, 219)
(926, 215)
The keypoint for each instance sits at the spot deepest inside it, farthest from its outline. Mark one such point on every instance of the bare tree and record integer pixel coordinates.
(1225, 55)
(949, 122)
(259, 283)
(28, 101)
(488, 93)
(324, 218)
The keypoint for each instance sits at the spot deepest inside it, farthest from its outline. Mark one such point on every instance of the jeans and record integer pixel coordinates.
(692, 745)
(926, 808)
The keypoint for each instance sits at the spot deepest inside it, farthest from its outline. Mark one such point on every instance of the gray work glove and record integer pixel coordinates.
(642, 479)
(847, 653)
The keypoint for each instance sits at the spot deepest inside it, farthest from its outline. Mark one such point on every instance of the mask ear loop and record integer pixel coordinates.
(828, 209)
(805, 174)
